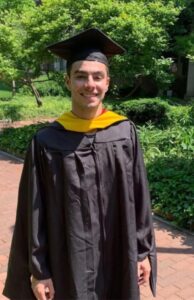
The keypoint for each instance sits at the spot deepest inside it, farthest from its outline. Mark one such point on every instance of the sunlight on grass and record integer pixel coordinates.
(25, 108)
(5, 94)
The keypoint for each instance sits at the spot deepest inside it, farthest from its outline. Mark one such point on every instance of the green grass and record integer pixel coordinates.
(25, 108)
(5, 94)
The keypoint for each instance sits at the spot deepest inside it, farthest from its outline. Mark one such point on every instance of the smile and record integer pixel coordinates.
(89, 95)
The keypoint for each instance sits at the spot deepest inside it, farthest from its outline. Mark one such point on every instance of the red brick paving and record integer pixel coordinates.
(175, 248)
(10, 171)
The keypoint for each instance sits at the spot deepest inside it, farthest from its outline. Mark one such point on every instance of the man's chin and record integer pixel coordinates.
(93, 104)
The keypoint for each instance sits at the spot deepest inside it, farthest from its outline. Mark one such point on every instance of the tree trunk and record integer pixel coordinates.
(13, 88)
(36, 93)
(29, 82)
(137, 85)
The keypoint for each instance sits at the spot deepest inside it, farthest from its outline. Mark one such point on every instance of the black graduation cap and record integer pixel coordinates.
(91, 44)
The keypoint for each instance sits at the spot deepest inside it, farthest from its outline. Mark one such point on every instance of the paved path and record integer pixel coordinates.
(175, 248)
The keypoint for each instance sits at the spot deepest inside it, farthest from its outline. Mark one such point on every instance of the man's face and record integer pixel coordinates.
(88, 83)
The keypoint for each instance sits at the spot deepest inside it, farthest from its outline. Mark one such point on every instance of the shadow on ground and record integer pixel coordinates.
(10, 158)
(186, 239)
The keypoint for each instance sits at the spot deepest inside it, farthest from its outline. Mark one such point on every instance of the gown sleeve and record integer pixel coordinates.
(144, 223)
(28, 254)
(37, 231)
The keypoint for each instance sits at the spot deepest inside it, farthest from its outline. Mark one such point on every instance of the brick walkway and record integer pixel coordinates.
(175, 248)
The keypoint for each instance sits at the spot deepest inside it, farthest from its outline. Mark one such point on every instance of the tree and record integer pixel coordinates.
(140, 26)
(182, 33)
(24, 35)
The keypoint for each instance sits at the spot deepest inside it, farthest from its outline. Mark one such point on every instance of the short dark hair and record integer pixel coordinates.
(69, 67)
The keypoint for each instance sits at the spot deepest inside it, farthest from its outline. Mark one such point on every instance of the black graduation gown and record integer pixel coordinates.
(83, 216)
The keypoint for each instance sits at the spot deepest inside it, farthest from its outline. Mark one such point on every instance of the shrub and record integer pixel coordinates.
(176, 140)
(25, 90)
(172, 189)
(191, 113)
(16, 140)
(47, 88)
(145, 110)
(169, 158)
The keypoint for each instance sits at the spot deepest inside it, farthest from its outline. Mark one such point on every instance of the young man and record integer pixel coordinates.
(84, 226)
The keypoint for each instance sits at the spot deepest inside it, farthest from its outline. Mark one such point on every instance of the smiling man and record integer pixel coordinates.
(88, 83)
(84, 226)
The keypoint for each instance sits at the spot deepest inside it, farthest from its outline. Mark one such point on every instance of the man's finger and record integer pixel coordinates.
(50, 291)
(39, 292)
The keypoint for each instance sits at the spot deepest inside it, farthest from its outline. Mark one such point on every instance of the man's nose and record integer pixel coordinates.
(90, 82)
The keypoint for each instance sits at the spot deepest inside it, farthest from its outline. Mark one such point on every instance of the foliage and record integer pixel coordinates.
(181, 115)
(24, 34)
(24, 108)
(182, 34)
(16, 140)
(5, 91)
(4, 86)
(172, 189)
(169, 158)
(46, 87)
(192, 113)
(142, 111)
(58, 77)
(140, 26)
(173, 141)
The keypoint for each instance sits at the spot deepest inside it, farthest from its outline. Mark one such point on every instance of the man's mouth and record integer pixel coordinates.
(88, 95)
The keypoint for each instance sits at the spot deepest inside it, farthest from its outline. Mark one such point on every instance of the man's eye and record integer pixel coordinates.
(80, 77)
(98, 77)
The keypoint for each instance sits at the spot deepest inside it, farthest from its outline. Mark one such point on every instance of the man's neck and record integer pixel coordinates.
(89, 113)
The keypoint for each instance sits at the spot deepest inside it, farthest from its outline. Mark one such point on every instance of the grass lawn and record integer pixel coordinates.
(5, 94)
(25, 108)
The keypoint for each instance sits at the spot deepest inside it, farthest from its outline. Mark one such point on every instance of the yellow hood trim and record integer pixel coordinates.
(71, 122)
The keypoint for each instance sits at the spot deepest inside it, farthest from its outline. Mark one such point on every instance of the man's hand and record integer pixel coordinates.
(144, 270)
(43, 289)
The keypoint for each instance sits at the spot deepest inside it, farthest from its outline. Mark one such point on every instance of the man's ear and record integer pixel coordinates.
(67, 82)
(108, 83)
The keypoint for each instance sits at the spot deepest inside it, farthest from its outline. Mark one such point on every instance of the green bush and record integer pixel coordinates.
(4, 86)
(172, 189)
(16, 140)
(176, 140)
(169, 158)
(180, 115)
(25, 90)
(47, 88)
(145, 110)
(191, 113)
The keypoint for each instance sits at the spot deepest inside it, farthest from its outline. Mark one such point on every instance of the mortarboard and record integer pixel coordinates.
(91, 44)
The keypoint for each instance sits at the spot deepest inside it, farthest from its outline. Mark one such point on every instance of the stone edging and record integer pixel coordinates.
(11, 156)
(170, 224)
